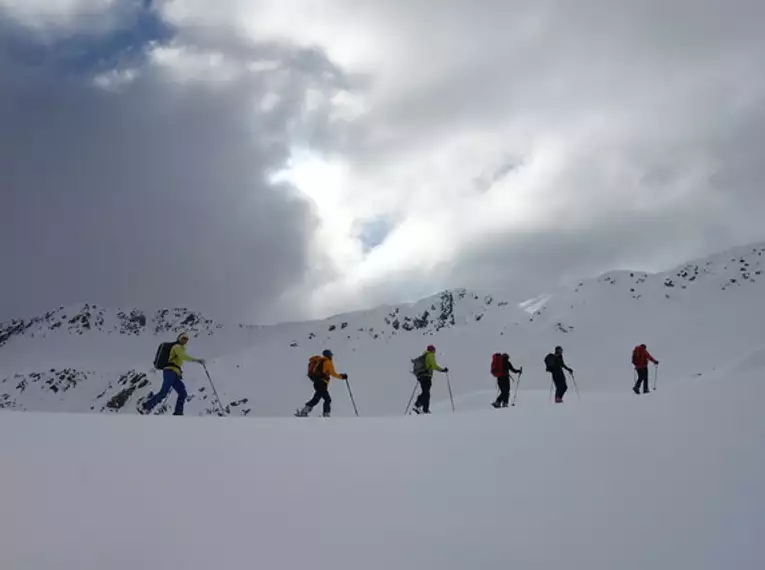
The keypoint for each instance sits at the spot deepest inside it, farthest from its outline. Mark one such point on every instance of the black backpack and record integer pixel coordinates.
(550, 362)
(162, 358)
(418, 366)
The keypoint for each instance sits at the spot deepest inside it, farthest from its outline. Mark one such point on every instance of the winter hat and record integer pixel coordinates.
(184, 334)
(431, 348)
(327, 353)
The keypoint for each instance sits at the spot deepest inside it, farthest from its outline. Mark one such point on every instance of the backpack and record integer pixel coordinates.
(635, 355)
(550, 362)
(316, 367)
(498, 365)
(418, 366)
(162, 358)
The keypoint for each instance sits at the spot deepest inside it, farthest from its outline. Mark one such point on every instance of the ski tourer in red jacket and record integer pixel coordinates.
(640, 359)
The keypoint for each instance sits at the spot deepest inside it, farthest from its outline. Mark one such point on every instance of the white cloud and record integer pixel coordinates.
(116, 79)
(186, 64)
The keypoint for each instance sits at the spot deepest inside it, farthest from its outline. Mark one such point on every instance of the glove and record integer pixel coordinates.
(201, 361)
(344, 376)
(446, 370)
(521, 370)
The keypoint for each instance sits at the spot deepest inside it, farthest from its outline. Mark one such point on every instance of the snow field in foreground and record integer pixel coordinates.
(671, 480)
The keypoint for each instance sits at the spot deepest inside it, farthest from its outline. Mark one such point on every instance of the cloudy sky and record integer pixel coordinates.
(263, 160)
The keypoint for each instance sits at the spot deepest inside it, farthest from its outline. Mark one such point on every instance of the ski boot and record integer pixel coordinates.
(139, 406)
(303, 413)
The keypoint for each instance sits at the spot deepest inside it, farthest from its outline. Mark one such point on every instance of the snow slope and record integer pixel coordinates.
(670, 481)
(698, 318)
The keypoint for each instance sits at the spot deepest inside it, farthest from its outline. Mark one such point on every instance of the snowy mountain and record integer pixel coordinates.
(696, 319)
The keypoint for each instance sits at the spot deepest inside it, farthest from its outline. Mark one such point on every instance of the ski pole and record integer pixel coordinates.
(449, 385)
(551, 390)
(412, 398)
(517, 387)
(573, 379)
(220, 406)
(655, 375)
(347, 383)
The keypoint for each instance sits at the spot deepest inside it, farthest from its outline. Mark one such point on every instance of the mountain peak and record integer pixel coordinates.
(80, 319)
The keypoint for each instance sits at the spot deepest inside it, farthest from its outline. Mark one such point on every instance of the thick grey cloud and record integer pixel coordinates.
(159, 193)
(498, 144)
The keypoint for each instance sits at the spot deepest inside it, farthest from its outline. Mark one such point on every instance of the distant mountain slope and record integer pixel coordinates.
(696, 318)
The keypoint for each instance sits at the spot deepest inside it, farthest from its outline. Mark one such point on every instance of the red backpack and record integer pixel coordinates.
(497, 365)
(636, 352)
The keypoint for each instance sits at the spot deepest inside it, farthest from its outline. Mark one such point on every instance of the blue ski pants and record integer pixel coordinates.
(170, 380)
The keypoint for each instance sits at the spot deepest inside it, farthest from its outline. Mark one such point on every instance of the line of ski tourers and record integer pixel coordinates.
(170, 357)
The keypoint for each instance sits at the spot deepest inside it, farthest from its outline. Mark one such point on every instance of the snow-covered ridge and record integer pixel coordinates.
(448, 309)
(103, 356)
(81, 319)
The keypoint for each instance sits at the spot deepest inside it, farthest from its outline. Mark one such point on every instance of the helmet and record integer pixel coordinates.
(327, 353)
(431, 348)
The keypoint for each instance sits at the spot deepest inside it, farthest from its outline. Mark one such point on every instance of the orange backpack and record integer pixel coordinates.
(316, 367)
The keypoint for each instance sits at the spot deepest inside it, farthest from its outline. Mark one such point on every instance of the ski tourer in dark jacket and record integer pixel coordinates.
(555, 366)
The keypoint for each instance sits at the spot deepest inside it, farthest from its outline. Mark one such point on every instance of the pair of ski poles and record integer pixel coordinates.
(517, 386)
(655, 375)
(416, 383)
(220, 405)
(347, 383)
(573, 379)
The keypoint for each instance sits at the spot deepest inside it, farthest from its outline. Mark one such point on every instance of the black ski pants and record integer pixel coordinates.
(321, 392)
(503, 383)
(559, 379)
(423, 400)
(642, 378)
